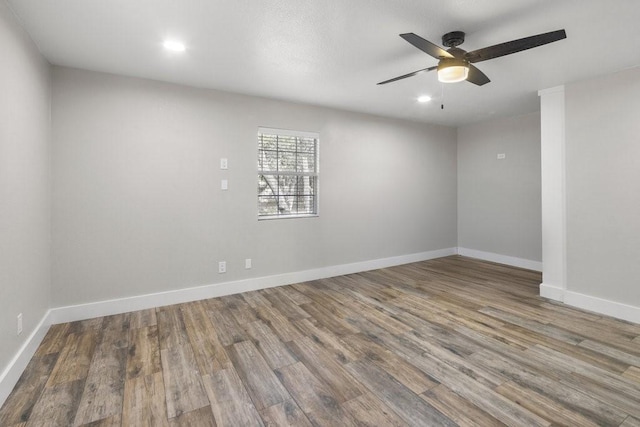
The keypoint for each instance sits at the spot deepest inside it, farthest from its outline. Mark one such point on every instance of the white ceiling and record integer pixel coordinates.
(333, 52)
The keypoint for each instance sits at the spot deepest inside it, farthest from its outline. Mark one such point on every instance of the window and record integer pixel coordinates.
(287, 174)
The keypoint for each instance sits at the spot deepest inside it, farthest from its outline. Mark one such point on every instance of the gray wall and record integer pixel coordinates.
(137, 202)
(24, 185)
(603, 187)
(499, 207)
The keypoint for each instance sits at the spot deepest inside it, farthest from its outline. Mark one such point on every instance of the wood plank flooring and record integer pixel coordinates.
(451, 341)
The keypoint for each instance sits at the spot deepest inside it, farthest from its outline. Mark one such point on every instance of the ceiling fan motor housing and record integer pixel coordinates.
(453, 39)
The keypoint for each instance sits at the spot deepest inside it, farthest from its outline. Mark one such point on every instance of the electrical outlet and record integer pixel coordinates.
(19, 324)
(502, 156)
(247, 263)
(222, 267)
(223, 163)
(224, 184)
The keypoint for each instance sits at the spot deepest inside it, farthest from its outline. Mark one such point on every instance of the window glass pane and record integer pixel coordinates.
(267, 205)
(263, 187)
(268, 142)
(287, 143)
(268, 160)
(287, 161)
(306, 145)
(305, 162)
(286, 194)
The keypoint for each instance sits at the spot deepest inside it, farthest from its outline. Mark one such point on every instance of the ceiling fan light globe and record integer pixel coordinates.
(453, 73)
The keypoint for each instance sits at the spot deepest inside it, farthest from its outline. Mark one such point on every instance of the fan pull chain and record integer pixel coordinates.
(442, 96)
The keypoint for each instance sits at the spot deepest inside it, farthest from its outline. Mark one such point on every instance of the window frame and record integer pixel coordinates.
(315, 175)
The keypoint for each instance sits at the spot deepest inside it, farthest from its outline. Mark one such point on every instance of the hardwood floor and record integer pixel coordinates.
(446, 342)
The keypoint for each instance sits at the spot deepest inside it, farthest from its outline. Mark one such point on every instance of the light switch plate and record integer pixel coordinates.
(224, 184)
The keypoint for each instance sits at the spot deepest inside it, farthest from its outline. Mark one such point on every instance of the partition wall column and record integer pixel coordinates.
(554, 218)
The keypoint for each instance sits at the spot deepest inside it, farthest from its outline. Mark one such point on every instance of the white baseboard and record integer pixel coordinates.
(501, 259)
(552, 292)
(615, 309)
(598, 305)
(141, 302)
(17, 365)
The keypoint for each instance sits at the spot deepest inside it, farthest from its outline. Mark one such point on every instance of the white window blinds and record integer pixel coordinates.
(287, 173)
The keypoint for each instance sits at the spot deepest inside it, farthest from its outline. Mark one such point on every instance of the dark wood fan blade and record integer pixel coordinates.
(476, 76)
(407, 75)
(426, 46)
(514, 46)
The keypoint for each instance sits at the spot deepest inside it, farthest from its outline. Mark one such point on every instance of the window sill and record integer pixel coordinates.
(271, 217)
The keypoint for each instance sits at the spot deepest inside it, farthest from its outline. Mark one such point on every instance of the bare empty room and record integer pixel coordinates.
(305, 213)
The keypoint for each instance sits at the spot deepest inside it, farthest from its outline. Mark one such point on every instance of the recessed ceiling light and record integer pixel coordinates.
(173, 46)
(424, 98)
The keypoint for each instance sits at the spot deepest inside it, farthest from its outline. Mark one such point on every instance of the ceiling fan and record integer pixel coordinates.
(456, 65)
